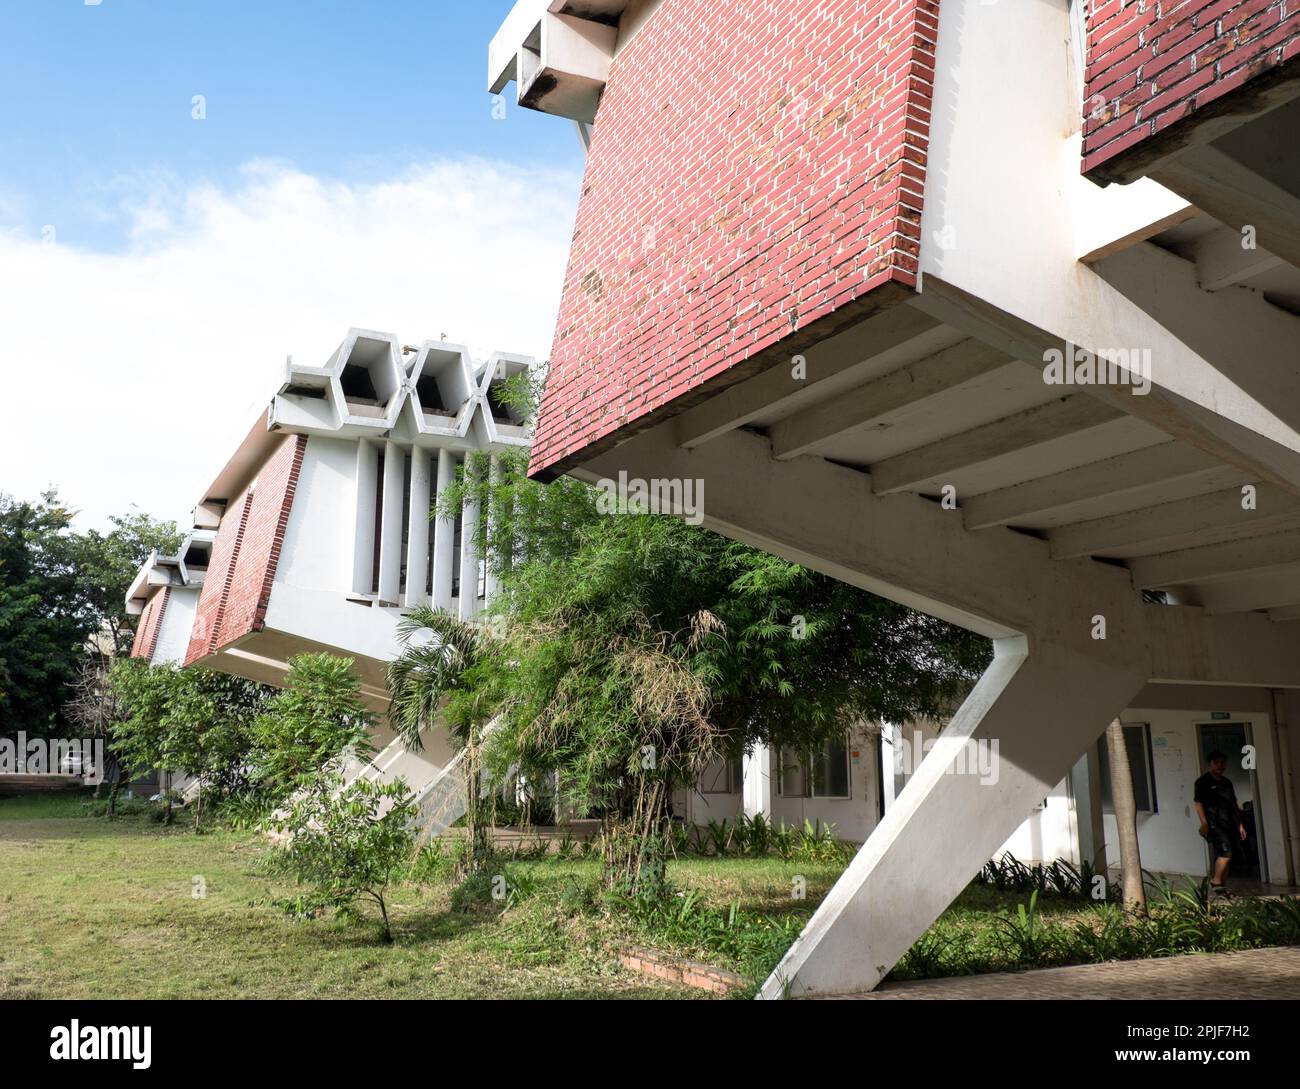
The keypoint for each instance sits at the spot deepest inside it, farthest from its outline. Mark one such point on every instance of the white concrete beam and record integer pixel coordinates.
(417, 537)
(444, 536)
(1165, 463)
(1210, 562)
(493, 580)
(778, 389)
(391, 552)
(756, 785)
(1222, 260)
(1236, 195)
(469, 558)
(1221, 418)
(1203, 519)
(903, 547)
(945, 370)
(1250, 341)
(1251, 591)
(367, 490)
(1012, 435)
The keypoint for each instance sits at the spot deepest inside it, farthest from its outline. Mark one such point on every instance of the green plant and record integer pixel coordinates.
(719, 834)
(348, 844)
(785, 841)
(308, 727)
(926, 957)
(754, 834)
(1024, 938)
(817, 843)
(1105, 935)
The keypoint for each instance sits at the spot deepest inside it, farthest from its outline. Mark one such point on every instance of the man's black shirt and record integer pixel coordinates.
(1218, 799)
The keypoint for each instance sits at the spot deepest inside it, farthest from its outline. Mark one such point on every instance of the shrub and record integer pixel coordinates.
(347, 844)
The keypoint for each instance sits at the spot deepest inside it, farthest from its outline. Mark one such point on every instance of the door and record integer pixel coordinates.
(1231, 738)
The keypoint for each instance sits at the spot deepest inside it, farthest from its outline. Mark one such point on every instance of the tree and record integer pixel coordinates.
(447, 670)
(1121, 792)
(57, 589)
(194, 721)
(107, 563)
(627, 652)
(209, 732)
(44, 618)
(307, 728)
(347, 843)
(139, 737)
(95, 707)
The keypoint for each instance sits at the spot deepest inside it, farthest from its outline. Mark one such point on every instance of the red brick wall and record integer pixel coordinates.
(1153, 63)
(237, 588)
(146, 633)
(756, 171)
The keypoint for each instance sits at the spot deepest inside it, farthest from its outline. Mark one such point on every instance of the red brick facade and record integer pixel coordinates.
(237, 588)
(754, 182)
(1152, 64)
(146, 633)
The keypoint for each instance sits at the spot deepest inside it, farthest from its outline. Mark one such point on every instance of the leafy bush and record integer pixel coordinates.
(347, 844)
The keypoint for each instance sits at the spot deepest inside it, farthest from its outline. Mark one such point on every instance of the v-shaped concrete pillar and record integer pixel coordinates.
(1017, 734)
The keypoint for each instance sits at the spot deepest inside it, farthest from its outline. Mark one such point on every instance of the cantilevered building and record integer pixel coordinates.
(315, 535)
(990, 308)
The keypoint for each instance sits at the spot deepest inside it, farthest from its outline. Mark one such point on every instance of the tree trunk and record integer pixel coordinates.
(476, 827)
(1121, 792)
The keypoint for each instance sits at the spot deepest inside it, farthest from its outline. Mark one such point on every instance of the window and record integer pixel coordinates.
(1137, 740)
(722, 777)
(821, 773)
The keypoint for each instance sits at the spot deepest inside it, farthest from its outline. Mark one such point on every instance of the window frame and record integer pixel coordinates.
(809, 758)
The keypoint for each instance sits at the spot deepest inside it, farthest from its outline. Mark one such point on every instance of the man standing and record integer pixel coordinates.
(1221, 824)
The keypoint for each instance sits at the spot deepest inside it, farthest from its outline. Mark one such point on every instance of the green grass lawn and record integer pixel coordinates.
(97, 909)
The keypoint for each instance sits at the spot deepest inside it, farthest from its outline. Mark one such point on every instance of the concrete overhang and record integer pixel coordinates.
(558, 53)
(156, 573)
(1237, 160)
(237, 471)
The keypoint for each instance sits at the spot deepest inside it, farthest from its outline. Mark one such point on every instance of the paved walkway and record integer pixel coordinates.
(1254, 973)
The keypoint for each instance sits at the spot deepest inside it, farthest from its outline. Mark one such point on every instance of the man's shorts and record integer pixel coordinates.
(1220, 841)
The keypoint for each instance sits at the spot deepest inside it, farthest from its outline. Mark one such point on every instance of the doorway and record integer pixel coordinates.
(1234, 740)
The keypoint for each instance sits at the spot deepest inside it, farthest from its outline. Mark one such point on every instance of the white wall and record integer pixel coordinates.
(177, 624)
(1048, 833)
(1169, 837)
(853, 817)
(319, 539)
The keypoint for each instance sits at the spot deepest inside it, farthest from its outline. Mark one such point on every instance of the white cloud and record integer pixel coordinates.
(124, 378)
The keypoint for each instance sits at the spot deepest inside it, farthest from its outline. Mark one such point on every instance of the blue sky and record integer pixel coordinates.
(94, 98)
(157, 270)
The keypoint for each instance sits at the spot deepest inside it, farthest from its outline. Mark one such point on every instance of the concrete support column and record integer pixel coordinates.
(469, 557)
(390, 534)
(367, 491)
(889, 783)
(1012, 740)
(756, 782)
(444, 535)
(1085, 789)
(417, 537)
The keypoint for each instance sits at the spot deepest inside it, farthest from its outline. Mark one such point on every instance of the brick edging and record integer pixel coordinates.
(690, 973)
